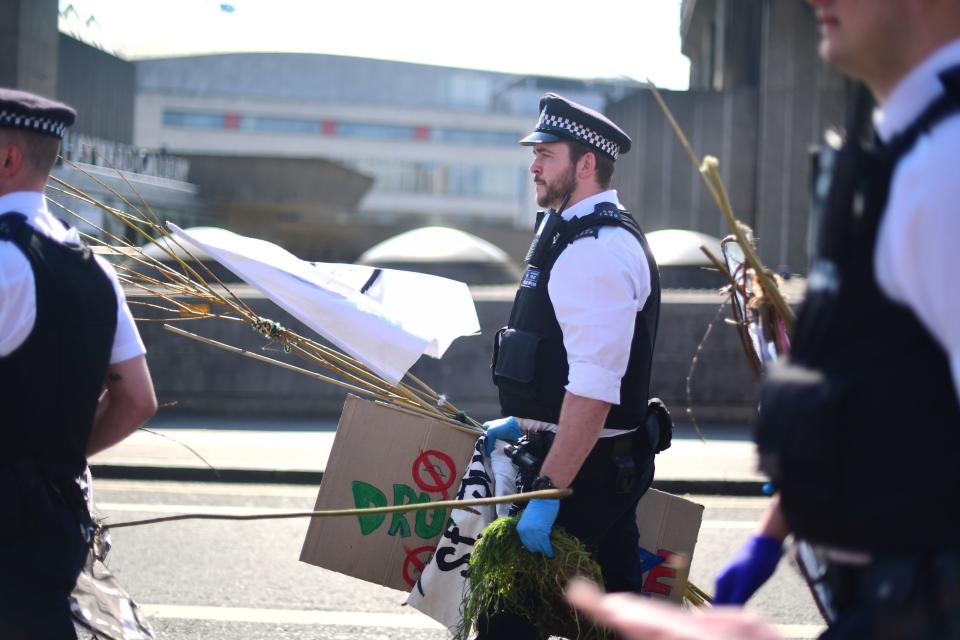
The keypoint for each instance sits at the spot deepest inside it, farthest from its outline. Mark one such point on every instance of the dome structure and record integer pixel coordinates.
(682, 264)
(672, 247)
(434, 244)
(446, 252)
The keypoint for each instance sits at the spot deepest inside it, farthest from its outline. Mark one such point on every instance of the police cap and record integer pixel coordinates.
(562, 119)
(30, 112)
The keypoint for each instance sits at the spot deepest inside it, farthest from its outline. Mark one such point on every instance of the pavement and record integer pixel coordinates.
(295, 451)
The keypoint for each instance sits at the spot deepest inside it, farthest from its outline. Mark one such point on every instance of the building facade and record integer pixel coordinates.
(759, 98)
(439, 143)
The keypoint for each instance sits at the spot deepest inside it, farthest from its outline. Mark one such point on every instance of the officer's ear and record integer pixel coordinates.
(587, 165)
(11, 157)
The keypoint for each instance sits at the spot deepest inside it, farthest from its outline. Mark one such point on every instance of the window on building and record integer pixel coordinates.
(193, 120)
(432, 178)
(375, 131)
(281, 125)
(371, 131)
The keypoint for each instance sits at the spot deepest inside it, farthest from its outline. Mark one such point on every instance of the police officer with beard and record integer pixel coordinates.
(573, 364)
(861, 430)
(73, 378)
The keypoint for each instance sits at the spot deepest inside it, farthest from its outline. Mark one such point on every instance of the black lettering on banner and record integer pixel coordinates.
(453, 534)
(450, 565)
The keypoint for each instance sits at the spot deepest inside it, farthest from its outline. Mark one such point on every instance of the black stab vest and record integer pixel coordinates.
(50, 384)
(861, 432)
(530, 365)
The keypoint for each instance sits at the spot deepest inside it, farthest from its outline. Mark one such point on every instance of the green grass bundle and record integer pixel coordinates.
(505, 576)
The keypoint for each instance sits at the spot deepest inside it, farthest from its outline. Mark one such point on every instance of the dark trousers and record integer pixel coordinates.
(897, 598)
(604, 520)
(43, 550)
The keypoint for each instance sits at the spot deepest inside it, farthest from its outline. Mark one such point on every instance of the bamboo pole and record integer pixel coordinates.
(546, 494)
(709, 174)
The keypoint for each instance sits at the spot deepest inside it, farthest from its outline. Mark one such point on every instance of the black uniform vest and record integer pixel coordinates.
(530, 365)
(861, 433)
(49, 385)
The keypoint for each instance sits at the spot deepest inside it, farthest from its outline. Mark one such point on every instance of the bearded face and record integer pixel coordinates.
(554, 175)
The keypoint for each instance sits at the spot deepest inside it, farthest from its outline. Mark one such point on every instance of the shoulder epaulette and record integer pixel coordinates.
(10, 224)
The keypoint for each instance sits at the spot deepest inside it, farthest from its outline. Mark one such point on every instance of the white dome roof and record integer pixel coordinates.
(434, 244)
(676, 247)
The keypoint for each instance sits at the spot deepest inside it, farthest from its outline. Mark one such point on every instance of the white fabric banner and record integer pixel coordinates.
(383, 317)
(439, 591)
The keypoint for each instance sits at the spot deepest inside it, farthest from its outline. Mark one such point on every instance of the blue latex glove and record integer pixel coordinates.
(753, 565)
(535, 524)
(503, 429)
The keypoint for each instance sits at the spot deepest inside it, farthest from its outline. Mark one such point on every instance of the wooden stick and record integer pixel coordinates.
(711, 178)
(400, 508)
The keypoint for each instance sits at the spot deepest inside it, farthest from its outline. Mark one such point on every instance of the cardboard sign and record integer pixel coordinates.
(382, 456)
(669, 527)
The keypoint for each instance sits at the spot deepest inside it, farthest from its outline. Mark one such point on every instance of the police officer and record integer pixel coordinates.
(861, 431)
(73, 378)
(573, 364)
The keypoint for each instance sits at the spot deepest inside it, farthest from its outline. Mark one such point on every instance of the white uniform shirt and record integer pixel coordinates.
(597, 287)
(18, 309)
(917, 260)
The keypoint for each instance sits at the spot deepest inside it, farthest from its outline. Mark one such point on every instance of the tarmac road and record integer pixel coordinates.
(218, 580)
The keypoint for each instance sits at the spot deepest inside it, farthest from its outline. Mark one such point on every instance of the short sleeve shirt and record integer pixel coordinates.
(18, 309)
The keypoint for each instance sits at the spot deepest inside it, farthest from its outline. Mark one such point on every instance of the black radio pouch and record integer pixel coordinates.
(658, 426)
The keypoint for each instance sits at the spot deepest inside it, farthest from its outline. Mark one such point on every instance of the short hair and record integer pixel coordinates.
(39, 150)
(604, 170)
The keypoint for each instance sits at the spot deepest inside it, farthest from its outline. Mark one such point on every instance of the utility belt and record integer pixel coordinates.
(625, 452)
(35, 492)
(622, 452)
(929, 582)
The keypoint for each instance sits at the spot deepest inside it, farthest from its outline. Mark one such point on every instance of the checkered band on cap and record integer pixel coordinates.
(581, 132)
(38, 124)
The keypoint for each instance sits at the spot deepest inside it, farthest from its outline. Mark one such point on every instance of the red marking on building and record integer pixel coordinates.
(421, 133)
(329, 127)
(231, 121)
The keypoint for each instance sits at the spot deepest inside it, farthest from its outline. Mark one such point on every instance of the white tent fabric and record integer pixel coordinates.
(385, 318)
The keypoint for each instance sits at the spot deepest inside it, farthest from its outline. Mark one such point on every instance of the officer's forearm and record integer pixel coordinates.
(581, 421)
(773, 524)
(127, 403)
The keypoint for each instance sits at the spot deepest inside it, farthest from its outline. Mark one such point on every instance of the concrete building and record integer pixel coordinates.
(440, 143)
(759, 97)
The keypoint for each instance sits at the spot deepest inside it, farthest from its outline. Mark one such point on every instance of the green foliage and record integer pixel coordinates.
(505, 576)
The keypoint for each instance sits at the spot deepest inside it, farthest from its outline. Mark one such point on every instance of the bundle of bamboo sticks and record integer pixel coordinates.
(175, 280)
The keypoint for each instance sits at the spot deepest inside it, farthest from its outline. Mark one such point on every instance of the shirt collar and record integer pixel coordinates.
(586, 206)
(29, 203)
(913, 93)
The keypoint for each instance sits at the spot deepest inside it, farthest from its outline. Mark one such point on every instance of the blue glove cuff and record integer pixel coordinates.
(503, 429)
(536, 523)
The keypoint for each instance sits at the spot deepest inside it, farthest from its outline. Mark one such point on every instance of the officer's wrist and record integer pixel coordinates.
(542, 483)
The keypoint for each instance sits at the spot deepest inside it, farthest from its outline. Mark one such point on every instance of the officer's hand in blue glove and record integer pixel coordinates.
(753, 565)
(535, 525)
(503, 429)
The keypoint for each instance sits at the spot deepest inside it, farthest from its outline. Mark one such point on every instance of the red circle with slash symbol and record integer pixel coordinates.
(440, 469)
(416, 559)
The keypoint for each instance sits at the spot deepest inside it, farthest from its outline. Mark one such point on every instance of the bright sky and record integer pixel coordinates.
(587, 38)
